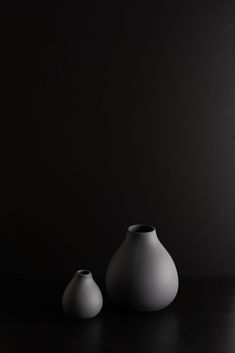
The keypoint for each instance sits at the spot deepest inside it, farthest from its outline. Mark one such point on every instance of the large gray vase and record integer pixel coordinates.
(141, 275)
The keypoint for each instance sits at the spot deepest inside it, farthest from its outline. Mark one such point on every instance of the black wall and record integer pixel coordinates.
(113, 114)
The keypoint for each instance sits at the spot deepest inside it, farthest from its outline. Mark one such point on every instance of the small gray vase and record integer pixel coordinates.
(82, 298)
(141, 275)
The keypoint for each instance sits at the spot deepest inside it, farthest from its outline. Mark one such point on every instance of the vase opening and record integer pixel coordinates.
(84, 272)
(141, 228)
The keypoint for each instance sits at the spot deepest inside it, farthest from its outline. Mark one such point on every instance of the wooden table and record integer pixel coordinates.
(201, 319)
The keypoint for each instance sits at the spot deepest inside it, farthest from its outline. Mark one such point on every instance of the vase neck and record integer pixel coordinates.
(83, 275)
(141, 232)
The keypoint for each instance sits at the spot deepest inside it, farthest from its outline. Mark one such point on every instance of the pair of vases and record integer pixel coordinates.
(141, 276)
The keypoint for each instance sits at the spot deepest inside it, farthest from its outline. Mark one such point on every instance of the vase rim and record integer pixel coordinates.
(141, 229)
(84, 272)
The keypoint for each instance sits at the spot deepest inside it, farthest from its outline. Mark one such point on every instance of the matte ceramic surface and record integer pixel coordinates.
(142, 275)
(82, 298)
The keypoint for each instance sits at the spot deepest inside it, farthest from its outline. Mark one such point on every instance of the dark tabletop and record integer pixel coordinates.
(201, 319)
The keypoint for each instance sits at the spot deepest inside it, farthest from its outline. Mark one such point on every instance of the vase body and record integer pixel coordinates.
(82, 298)
(141, 275)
